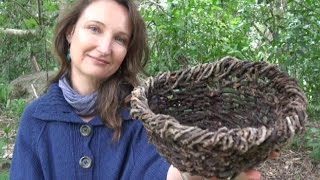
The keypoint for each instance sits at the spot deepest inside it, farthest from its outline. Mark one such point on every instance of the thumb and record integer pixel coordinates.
(249, 175)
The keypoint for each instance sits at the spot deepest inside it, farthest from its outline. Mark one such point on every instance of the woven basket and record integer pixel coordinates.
(221, 118)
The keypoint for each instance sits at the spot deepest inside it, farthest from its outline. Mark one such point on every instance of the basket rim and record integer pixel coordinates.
(222, 136)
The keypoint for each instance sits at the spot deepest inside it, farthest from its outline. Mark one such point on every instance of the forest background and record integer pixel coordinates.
(182, 33)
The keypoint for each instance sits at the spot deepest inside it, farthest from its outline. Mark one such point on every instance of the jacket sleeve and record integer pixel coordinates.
(148, 162)
(25, 162)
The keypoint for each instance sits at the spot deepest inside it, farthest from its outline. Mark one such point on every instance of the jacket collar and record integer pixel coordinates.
(53, 107)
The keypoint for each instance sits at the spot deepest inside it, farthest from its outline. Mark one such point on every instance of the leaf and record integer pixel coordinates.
(50, 6)
(215, 8)
(2, 20)
(30, 23)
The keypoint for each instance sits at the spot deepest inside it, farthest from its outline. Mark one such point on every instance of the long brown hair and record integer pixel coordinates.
(114, 90)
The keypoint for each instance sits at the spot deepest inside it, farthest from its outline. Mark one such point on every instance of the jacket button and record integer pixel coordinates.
(85, 130)
(85, 162)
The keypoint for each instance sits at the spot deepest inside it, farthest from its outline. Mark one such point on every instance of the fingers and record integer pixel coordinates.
(249, 175)
(274, 155)
(253, 174)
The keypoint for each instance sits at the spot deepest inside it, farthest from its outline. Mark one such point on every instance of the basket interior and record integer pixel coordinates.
(238, 99)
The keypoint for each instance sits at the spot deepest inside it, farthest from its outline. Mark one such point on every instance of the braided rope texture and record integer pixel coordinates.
(220, 118)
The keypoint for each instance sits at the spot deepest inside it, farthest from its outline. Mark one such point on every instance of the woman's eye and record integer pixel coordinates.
(94, 29)
(121, 40)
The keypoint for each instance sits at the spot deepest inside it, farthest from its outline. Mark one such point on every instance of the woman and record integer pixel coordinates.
(81, 129)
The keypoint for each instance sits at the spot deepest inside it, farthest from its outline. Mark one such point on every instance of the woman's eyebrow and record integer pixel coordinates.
(119, 29)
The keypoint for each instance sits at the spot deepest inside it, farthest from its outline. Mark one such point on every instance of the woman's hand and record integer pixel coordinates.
(249, 175)
(254, 174)
(175, 174)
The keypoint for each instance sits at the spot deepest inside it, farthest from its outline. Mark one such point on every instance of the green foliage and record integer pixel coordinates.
(30, 23)
(15, 107)
(3, 143)
(297, 143)
(310, 141)
(184, 33)
(4, 175)
(4, 93)
(313, 142)
(191, 32)
(287, 35)
(12, 107)
(19, 50)
(4, 171)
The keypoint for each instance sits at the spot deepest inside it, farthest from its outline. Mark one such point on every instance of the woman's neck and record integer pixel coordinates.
(83, 85)
(86, 118)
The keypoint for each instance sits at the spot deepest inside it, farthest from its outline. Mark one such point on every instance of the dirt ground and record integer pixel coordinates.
(291, 165)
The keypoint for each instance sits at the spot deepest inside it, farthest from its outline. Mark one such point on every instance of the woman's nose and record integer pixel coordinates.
(105, 45)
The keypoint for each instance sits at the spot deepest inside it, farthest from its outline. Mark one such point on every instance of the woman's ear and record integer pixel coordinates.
(68, 37)
(69, 34)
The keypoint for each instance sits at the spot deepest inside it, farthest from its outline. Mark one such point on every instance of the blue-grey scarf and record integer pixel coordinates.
(83, 105)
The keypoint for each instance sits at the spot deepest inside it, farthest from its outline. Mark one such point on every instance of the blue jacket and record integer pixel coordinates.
(53, 143)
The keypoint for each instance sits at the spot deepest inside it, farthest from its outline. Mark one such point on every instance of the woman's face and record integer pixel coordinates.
(99, 40)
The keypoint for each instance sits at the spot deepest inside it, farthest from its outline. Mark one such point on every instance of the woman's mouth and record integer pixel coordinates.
(99, 61)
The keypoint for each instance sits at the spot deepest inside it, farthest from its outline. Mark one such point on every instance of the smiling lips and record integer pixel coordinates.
(99, 60)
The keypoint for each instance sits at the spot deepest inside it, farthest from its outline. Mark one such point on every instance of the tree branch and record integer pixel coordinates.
(155, 4)
(17, 32)
(263, 35)
(22, 7)
(39, 12)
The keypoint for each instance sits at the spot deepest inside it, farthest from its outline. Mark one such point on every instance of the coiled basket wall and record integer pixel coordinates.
(220, 118)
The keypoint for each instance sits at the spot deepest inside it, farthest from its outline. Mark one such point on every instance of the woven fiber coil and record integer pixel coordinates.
(220, 118)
